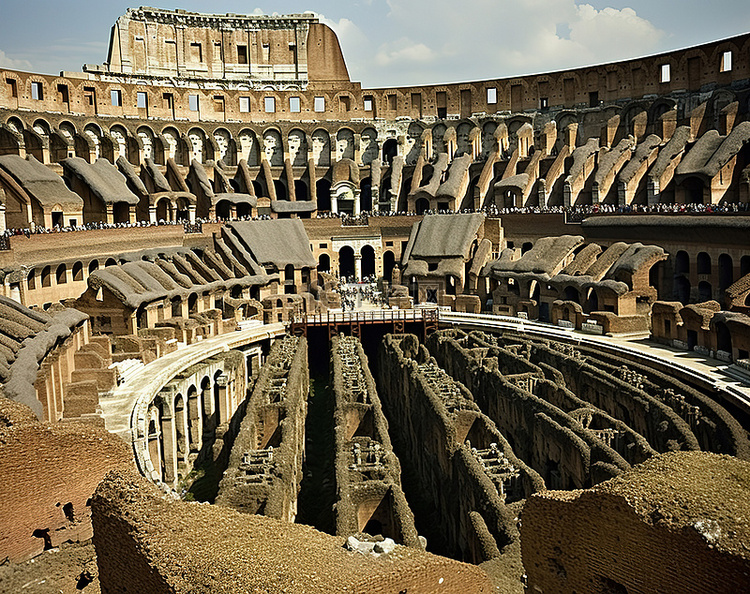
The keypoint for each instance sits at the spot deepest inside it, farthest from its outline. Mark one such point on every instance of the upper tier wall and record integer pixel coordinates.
(679, 73)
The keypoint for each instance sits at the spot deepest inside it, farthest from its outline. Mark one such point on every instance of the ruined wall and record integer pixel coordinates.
(265, 464)
(546, 438)
(49, 473)
(368, 473)
(446, 482)
(673, 524)
(166, 546)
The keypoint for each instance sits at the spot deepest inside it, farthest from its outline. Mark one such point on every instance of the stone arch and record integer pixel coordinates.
(369, 145)
(390, 151)
(438, 144)
(119, 136)
(94, 134)
(226, 146)
(249, 148)
(174, 146)
(146, 136)
(273, 147)
(344, 144)
(199, 148)
(463, 145)
(297, 143)
(346, 261)
(321, 148)
(413, 142)
(324, 263)
(488, 138)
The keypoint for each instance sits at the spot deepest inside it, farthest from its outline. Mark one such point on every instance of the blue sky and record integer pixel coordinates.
(402, 42)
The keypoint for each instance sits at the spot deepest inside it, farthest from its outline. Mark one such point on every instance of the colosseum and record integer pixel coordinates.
(265, 330)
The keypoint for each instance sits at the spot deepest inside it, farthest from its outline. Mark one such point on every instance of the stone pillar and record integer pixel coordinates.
(191, 213)
(2, 211)
(334, 202)
(110, 213)
(358, 266)
(152, 213)
(169, 447)
(224, 412)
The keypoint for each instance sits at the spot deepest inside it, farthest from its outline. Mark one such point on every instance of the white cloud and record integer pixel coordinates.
(440, 40)
(7, 62)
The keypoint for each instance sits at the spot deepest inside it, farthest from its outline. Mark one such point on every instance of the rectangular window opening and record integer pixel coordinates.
(12, 86)
(295, 105)
(726, 61)
(242, 54)
(244, 104)
(142, 100)
(319, 104)
(269, 104)
(368, 101)
(666, 74)
(89, 95)
(392, 102)
(492, 95)
(193, 102)
(115, 96)
(219, 103)
(196, 52)
(37, 91)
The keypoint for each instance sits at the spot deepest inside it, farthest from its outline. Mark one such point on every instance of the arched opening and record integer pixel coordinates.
(571, 294)
(289, 287)
(390, 150)
(162, 210)
(704, 291)
(281, 193)
(244, 210)
(300, 190)
(682, 290)
(368, 261)
(31, 279)
(195, 421)
(110, 262)
(389, 261)
(526, 247)
(346, 261)
(704, 263)
(181, 433)
(121, 212)
(723, 338)
(422, 205)
(61, 274)
(176, 307)
(224, 209)
(592, 301)
(192, 303)
(726, 272)
(682, 263)
(744, 266)
(46, 282)
(93, 265)
(693, 187)
(324, 263)
(323, 190)
(78, 271)
(365, 195)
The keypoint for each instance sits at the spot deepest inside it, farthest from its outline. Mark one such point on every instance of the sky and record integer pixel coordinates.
(406, 42)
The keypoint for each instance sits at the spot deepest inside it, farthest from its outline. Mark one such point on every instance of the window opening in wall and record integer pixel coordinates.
(594, 99)
(115, 96)
(294, 104)
(441, 101)
(12, 87)
(345, 103)
(142, 100)
(37, 91)
(392, 102)
(666, 73)
(543, 103)
(62, 93)
(89, 96)
(196, 52)
(219, 103)
(726, 61)
(242, 54)
(193, 102)
(168, 99)
(492, 95)
(267, 52)
(367, 101)
(269, 104)
(244, 104)
(319, 104)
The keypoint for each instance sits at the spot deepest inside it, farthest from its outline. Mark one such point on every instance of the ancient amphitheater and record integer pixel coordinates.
(263, 330)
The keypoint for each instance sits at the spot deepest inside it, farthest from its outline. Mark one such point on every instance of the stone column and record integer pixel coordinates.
(358, 266)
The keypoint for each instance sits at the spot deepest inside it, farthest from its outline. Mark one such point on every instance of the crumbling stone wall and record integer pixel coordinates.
(265, 464)
(49, 472)
(368, 473)
(148, 543)
(544, 436)
(673, 524)
(461, 505)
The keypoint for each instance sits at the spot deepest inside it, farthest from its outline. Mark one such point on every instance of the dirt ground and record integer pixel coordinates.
(69, 569)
